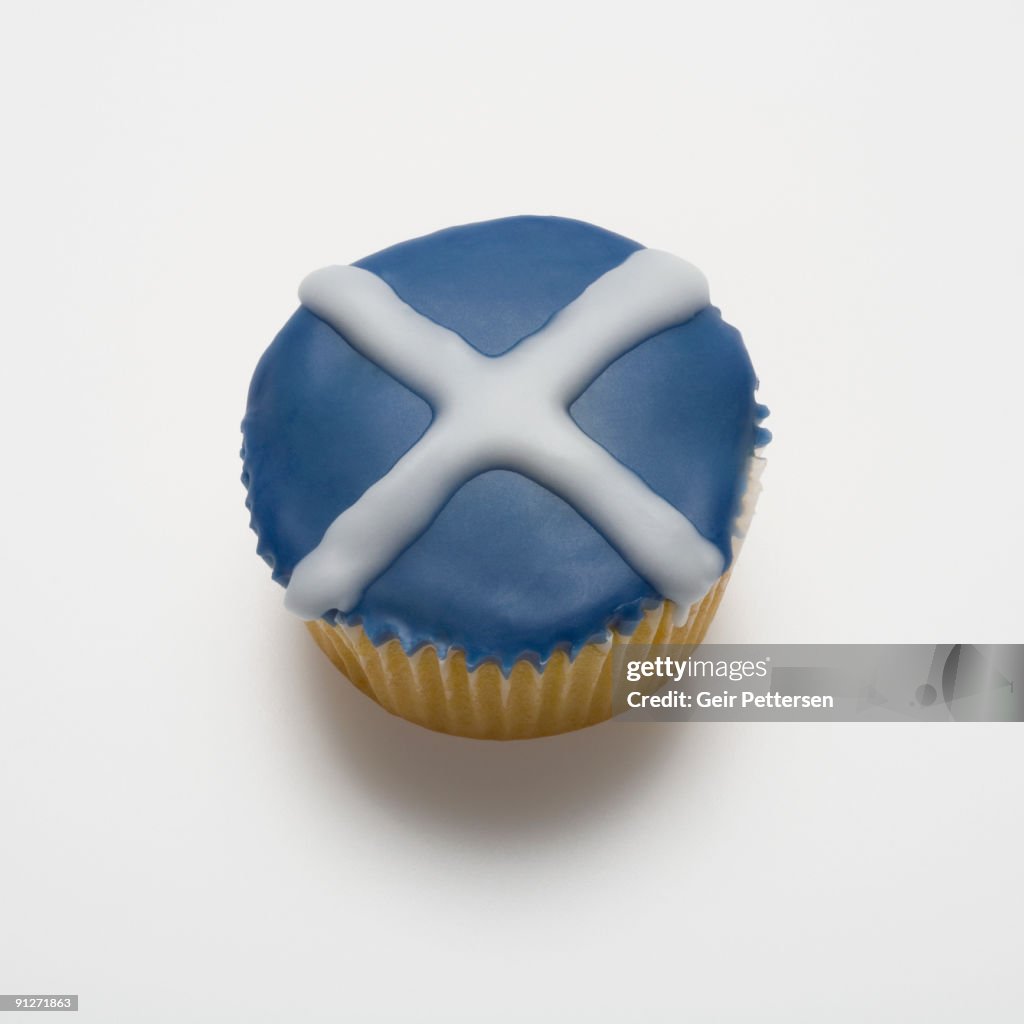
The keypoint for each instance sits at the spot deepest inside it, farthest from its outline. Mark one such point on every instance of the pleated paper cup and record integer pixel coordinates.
(486, 703)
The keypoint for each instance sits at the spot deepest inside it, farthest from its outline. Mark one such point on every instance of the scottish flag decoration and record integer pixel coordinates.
(505, 438)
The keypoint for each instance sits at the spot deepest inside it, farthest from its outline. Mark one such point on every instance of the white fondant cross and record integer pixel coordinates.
(506, 412)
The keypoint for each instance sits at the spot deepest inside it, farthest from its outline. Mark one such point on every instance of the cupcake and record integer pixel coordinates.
(481, 461)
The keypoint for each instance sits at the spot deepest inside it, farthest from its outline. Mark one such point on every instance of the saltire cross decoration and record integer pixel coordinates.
(506, 412)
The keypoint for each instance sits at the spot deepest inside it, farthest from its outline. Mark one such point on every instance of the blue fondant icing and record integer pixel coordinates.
(507, 569)
(541, 570)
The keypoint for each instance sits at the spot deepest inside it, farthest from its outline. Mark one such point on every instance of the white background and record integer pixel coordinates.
(199, 819)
